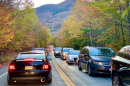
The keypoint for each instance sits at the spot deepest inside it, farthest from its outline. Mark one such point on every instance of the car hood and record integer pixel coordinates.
(65, 52)
(73, 56)
(101, 58)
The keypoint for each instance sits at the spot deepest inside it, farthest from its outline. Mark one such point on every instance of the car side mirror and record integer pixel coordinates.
(50, 59)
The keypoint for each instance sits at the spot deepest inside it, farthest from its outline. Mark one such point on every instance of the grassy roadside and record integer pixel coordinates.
(7, 58)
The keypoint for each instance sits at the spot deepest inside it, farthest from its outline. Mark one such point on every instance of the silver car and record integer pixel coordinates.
(72, 56)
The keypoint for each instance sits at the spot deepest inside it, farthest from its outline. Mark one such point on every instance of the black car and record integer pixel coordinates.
(120, 67)
(96, 60)
(64, 52)
(57, 51)
(30, 66)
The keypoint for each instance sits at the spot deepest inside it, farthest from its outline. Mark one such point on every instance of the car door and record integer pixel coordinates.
(83, 61)
(81, 58)
(86, 58)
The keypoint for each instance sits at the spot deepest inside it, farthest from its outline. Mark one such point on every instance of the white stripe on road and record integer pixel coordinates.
(3, 74)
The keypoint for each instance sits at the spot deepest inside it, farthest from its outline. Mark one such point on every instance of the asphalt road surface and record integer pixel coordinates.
(63, 75)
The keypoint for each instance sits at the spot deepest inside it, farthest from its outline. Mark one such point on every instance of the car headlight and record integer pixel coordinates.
(70, 58)
(99, 63)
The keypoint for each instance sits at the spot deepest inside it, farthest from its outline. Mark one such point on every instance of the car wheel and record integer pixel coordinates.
(50, 80)
(116, 80)
(79, 66)
(89, 70)
(9, 82)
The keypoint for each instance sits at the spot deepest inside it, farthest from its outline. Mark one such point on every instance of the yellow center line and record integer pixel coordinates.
(63, 75)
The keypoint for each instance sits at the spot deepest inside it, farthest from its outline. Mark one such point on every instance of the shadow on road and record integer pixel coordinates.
(30, 84)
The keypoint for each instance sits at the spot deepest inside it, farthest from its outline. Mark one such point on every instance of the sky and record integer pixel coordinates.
(38, 3)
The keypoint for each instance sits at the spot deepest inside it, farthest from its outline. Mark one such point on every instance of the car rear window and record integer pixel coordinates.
(58, 49)
(35, 56)
(74, 52)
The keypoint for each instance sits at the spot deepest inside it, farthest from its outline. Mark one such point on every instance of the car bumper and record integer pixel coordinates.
(101, 69)
(29, 75)
(64, 57)
(72, 60)
(57, 54)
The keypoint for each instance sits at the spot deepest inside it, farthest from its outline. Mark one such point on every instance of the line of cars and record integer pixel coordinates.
(100, 60)
(30, 66)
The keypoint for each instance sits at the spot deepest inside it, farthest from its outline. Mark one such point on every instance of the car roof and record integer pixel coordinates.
(97, 47)
(74, 50)
(38, 49)
(31, 52)
(67, 48)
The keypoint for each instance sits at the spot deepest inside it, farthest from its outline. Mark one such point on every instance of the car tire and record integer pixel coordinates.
(116, 81)
(79, 66)
(50, 80)
(9, 82)
(89, 70)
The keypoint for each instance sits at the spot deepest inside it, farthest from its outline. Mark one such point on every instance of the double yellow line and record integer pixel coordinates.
(63, 75)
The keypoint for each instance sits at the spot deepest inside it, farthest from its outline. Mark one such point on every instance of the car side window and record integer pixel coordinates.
(127, 54)
(122, 52)
(84, 51)
(87, 52)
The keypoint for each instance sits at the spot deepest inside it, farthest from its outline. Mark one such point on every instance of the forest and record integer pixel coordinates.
(19, 27)
(91, 23)
(96, 23)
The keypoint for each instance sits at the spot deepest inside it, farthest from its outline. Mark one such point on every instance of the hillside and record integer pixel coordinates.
(53, 15)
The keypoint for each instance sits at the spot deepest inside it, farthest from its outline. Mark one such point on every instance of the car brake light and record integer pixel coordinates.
(11, 67)
(45, 67)
(29, 59)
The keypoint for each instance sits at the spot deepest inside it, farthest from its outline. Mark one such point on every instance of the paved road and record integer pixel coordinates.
(79, 78)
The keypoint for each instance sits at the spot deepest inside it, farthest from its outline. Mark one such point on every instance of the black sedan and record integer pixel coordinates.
(30, 66)
(96, 60)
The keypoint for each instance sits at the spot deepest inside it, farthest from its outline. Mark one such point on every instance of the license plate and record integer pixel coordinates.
(28, 67)
(109, 69)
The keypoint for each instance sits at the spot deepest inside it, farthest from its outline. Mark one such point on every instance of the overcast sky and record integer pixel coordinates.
(38, 3)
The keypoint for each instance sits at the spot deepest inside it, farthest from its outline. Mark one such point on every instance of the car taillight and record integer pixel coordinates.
(11, 67)
(45, 67)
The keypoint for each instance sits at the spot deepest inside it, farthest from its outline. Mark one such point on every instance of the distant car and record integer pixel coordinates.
(64, 52)
(57, 52)
(72, 56)
(96, 60)
(120, 67)
(30, 66)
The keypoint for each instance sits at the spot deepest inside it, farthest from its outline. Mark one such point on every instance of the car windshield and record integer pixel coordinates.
(67, 50)
(74, 52)
(101, 52)
(58, 49)
(35, 56)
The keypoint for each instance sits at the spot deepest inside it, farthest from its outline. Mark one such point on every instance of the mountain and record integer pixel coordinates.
(54, 15)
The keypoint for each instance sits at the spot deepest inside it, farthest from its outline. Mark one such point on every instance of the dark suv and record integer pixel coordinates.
(96, 60)
(120, 65)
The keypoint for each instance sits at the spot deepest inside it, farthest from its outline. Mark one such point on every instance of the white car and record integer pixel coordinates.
(72, 56)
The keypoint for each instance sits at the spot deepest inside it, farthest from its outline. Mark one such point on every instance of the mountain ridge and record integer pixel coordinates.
(52, 16)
